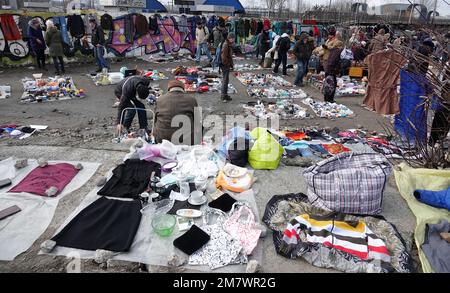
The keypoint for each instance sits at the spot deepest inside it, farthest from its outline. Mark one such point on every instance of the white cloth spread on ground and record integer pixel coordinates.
(20, 231)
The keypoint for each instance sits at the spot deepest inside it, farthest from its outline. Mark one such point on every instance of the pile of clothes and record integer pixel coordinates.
(199, 84)
(283, 109)
(262, 80)
(5, 91)
(272, 93)
(107, 78)
(20, 132)
(346, 87)
(164, 58)
(50, 89)
(320, 143)
(247, 67)
(345, 242)
(328, 110)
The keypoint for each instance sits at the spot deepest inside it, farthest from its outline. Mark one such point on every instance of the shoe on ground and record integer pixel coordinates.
(99, 70)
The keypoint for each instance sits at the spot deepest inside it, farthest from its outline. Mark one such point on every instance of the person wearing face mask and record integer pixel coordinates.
(98, 41)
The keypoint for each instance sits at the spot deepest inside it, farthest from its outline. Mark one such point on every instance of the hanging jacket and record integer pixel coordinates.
(153, 25)
(106, 22)
(75, 25)
(259, 27)
(23, 26)
(253, 27)
(183, 24)
(9, 28)
(98, 36)
(141, 25)
(247, 28)
(61, 21)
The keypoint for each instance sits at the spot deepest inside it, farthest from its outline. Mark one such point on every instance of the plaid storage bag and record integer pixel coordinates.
(351, 183)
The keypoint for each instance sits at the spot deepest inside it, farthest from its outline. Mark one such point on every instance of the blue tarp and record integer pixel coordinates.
(154, 6)
(235, 3)
(412, 88)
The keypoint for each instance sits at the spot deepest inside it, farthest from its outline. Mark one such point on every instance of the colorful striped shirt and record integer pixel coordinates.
(354, 238)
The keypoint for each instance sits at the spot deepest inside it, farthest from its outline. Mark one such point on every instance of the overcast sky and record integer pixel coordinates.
(443, 7)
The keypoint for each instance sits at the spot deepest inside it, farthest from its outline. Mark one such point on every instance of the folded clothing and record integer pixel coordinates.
(107, 224)
(438, 199)
(192, 240)
(130, 179)
(224, 203)
(42, 178)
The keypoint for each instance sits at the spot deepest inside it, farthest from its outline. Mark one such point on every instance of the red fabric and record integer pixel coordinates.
(316, 31)
(335, 148)
(296, 135)
(310, 21)
(9, 28)
(41, 179)
(8, 126)
(266, 24)
(361, 255)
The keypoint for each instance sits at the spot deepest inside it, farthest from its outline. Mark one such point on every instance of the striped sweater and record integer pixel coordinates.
(354, 238)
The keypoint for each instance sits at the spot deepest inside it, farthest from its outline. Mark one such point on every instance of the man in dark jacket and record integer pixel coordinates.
(98, 41)
(180, 109)
(226, 56)
(264, 44)
(302, 51)
(283, 46)
(127, 92)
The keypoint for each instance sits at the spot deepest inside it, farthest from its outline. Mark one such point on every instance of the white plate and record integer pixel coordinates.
(189, 213)
(194, 203)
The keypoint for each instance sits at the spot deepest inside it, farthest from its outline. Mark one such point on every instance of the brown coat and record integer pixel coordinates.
(227, 55)
(167, 107)
(384, 76)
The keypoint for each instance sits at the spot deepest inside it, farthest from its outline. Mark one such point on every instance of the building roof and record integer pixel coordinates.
(154, 6)
(235, 3)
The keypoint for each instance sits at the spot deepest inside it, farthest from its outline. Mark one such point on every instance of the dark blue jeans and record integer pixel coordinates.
(142, 115)
(300, 72)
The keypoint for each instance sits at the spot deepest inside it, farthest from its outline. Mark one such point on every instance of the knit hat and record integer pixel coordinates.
(175, 83)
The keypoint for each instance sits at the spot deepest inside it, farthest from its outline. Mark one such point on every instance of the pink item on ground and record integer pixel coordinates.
(42, 178)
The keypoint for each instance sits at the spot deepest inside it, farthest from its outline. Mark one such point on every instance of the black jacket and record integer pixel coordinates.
(75, 25)
(98, 36)
(126, 92)
(106, 22)
(284, 44)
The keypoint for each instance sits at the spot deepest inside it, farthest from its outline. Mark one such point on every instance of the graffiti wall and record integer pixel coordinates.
(171, 36)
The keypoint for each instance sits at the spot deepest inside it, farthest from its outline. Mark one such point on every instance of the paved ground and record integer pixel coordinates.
(83, 130)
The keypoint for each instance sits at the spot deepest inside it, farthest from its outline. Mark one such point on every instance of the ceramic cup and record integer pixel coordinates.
(196, 196)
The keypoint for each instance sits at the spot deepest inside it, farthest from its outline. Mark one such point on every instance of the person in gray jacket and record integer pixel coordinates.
(54, 41)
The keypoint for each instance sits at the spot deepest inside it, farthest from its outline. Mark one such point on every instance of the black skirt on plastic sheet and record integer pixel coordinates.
(107, 224)
(130, 179)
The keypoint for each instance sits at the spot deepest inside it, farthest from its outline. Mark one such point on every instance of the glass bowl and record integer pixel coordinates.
(164, 224)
